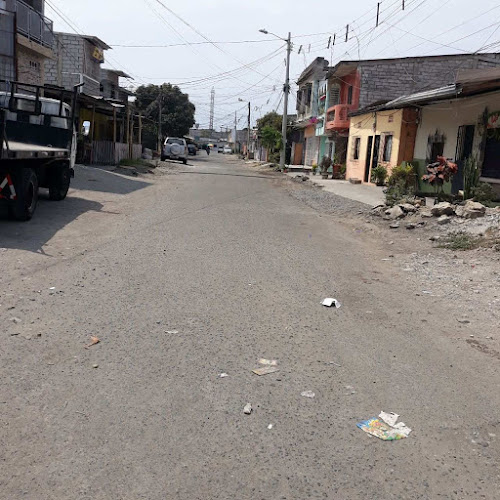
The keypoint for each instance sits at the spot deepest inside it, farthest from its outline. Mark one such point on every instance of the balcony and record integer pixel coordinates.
(32, 24)
(337, 117)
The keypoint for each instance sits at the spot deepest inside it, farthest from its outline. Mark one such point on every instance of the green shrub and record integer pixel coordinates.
(405, 173)
(460, 241)
(379, 175)
(483, 193)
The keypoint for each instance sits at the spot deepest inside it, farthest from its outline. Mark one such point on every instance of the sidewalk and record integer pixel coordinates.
(364, 193)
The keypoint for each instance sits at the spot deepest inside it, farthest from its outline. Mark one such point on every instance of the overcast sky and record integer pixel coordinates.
(255, 69)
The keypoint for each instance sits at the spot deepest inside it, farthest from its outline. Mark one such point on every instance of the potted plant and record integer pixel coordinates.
(326, 163)
(314, 168)
(440, 172)
(379, 175)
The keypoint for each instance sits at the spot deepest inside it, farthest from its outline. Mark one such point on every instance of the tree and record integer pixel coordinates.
(177, 112)
(272, 119)
(270, 138)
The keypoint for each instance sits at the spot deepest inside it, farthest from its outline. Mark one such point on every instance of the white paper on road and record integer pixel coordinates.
(389, 418)
(268, 362)
(331, 302)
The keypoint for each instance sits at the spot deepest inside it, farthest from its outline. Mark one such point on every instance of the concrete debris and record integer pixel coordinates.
(248, 409)
(408, 208)
(394, 213)
(394, 225)
(444, 219)
(411, 226)
(443, 208)
(471, 210)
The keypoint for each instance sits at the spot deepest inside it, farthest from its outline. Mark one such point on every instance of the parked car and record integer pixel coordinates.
(228, 150)
(175, 148)
(192, 150)
(220, 149)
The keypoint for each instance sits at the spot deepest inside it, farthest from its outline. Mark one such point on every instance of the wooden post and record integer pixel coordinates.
(114, 134)
(140, 129)
(92, 135)
(128, 126)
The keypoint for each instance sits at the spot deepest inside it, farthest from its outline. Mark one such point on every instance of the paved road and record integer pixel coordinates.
(204, 271)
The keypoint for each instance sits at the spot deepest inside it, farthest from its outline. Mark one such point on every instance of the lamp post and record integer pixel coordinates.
(286, 90)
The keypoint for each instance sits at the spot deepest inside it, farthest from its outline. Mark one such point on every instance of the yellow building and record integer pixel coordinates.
(380, 138)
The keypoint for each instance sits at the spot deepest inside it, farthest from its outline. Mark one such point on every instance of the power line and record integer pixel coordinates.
(185, 44)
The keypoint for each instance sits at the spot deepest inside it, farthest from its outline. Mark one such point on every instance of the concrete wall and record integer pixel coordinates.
(30, 66)
(73, 56)
(389, 78)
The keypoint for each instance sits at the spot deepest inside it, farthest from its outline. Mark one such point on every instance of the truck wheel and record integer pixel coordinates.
(24, 206)
(59, 183)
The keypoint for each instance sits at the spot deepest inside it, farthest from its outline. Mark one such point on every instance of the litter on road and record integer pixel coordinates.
(93, 341)
(308, 394)
(331, 302)
(266, 370)
(172, 332)
(270, 426)
(223, 375)
(385, 427)
(248, 409)
(268, 362)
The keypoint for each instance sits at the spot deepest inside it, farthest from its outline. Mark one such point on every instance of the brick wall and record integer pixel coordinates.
(388, 79)
(30, 66)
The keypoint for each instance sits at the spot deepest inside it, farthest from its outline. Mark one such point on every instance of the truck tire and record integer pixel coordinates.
(59, 183)
(185, 161)
(26, 185)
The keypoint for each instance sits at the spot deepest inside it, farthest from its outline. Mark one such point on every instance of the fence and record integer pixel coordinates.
(108, 152)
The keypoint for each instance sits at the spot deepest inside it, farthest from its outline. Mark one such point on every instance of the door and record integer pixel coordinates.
(374, 157)
(368, 158)
(299, 152)
(465, 142)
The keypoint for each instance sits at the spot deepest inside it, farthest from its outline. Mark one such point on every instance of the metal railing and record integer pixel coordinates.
(32, 24)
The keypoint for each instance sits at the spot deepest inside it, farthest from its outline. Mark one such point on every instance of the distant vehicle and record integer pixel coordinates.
(192, 150)
(175, 148)
(37, 146)
(228, 150)
(220, 149)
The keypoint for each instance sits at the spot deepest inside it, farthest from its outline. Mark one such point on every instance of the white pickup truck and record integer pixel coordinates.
(175, 148)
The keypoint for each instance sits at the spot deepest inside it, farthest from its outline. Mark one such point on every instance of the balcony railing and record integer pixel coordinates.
(337, 117)
(32, 24)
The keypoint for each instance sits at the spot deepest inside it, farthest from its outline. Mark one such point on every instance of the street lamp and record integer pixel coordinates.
(286, 90)
(249, 120)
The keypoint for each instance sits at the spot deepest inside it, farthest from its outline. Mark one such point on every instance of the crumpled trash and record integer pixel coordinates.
(308, 394)
(93, 341)
(223, 375)
(385, 427)
(248, 409)
(266, 370)
(331, 302)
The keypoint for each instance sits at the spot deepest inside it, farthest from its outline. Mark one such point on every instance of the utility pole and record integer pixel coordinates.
(159, 125)
(248, 138)
(286, 90)
(212, 109)
(235, 130)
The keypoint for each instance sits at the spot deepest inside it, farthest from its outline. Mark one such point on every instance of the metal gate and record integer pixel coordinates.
(312, 150)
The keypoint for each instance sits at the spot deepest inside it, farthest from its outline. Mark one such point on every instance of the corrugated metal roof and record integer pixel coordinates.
(451, 90)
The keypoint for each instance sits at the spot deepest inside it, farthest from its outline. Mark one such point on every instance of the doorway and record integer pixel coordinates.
(465, 141)
(368, 158)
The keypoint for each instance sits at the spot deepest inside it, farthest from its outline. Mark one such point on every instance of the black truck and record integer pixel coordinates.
(36, 145)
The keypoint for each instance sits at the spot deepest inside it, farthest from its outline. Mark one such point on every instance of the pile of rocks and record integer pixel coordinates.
(443, 213)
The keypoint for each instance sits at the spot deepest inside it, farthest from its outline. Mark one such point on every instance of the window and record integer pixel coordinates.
(334, 95)
(349, 94)
(386, 155)
(356, 148)
(435, 146)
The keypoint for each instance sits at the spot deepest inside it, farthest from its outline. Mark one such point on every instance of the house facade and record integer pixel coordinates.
(385, 137)
(310, 113)
(26, 41)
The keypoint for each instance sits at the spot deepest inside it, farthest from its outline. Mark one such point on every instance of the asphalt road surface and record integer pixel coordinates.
(203, 271)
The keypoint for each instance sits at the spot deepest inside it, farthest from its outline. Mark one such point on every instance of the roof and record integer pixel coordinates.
(117, 72)
(90, 38)
(343, 68)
